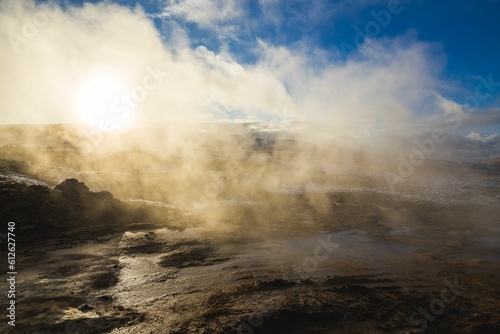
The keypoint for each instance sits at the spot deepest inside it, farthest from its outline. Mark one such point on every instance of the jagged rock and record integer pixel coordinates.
(23, 199)
(70, 207)
(73, 189)
(85, 307)
(77, 192)
(103, 196)
(105, 299)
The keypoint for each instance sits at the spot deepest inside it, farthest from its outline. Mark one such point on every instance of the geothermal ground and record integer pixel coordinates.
(327, 253)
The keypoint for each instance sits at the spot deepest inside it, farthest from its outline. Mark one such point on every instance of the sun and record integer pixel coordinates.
(96, 97)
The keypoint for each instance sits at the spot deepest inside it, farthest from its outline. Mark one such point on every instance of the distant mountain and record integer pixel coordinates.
(495, 163)
(492, 165)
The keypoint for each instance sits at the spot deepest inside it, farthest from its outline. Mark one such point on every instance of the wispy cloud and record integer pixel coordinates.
(207, 14)
(385, 86)
(492, 138)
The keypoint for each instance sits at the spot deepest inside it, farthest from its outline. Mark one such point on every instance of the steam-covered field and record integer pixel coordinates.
(234, 228)
(249, 166)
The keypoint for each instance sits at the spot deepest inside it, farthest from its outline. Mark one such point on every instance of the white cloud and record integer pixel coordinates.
(40, 83)
(482, 138)
(391, 86)
(208, 14)
(47, 53)
(382, 89)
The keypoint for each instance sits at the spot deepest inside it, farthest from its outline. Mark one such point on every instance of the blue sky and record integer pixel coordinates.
(466, 30)
(464, 33)
(363, 67)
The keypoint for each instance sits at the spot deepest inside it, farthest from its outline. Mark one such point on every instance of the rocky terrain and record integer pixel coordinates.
(90, 263)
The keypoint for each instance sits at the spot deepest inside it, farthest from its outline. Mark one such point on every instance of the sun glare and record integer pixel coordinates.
(96, 97)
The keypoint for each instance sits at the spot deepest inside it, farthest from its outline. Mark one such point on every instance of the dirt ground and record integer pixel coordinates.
(433, 275)
(328, 253)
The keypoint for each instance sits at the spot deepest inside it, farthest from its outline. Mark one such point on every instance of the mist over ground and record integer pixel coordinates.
(244, 175)
(196, 217)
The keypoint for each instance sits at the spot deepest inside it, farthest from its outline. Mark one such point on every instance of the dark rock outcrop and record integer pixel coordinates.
(73, 189)
(23, 200)
(69, 208)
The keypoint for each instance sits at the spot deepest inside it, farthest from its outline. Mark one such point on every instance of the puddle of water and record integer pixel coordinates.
(339, 246)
